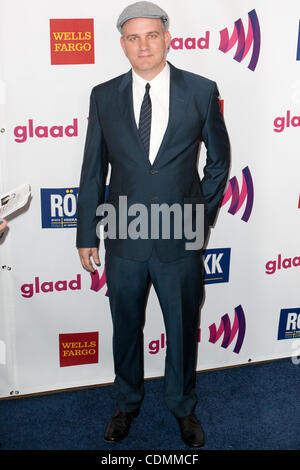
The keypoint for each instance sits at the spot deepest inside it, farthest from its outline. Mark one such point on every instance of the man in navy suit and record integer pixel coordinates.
(148, 124)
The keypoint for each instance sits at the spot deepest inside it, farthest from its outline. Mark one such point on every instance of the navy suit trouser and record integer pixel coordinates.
(179, 288)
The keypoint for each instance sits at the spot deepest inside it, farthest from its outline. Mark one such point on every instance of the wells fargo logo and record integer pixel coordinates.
(78, 348)
(72, 41)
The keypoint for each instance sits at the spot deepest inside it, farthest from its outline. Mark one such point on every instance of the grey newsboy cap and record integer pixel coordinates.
(142, 10)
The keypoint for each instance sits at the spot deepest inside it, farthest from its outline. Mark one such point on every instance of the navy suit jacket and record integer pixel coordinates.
(112, 137)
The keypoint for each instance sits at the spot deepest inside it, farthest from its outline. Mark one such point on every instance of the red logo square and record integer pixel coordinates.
(78, 348)
(72, 41)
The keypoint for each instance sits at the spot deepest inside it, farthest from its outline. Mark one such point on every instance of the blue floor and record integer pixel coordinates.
(242, 408)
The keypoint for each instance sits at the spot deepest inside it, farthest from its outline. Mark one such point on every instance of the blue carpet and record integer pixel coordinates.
(242, 408)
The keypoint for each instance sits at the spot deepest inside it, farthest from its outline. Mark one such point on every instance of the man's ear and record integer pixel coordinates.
(167, 39)
(122, 42)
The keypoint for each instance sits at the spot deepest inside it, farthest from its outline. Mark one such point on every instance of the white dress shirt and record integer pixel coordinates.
(160, 97)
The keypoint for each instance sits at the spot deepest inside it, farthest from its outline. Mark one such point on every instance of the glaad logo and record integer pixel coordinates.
(289, 323)
(59, 207)
(238, 328)
(282, 122)
(237, 197)
(216, 264)
(191, 43)
(29, 290)
(238, 36)
(298, 47)
(273, 265)
(243, 43)
(22, 133)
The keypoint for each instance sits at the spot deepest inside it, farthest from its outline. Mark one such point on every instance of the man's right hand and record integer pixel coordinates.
(85, 254)
(3, 224)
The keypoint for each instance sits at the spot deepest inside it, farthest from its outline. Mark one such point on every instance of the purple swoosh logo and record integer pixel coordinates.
(243, 42)
(98, 282)
(238, 328)
(237, 197)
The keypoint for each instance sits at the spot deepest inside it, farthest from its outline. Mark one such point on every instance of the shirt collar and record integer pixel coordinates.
(155, 83)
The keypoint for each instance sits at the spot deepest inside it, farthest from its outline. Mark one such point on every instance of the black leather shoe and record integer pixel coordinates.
(119, 425)
(192, 433)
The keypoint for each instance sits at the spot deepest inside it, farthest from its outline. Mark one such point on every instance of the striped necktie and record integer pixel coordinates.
(145, 119)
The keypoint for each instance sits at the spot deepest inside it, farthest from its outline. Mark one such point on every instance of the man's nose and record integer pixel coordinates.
(144, 43)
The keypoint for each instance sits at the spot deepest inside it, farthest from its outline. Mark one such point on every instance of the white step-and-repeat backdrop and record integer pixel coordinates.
(55, 324)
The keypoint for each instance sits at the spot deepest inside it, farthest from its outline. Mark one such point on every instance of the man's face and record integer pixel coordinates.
(145, 43)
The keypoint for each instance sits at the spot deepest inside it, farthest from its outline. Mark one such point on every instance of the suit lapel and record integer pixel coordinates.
(126, 109)
(177, 104)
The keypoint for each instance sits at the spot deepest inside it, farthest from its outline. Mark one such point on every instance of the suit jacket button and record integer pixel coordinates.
(152, 198)
(152, 172)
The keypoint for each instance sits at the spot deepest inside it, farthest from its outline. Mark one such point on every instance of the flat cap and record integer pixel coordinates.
(142, 10)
